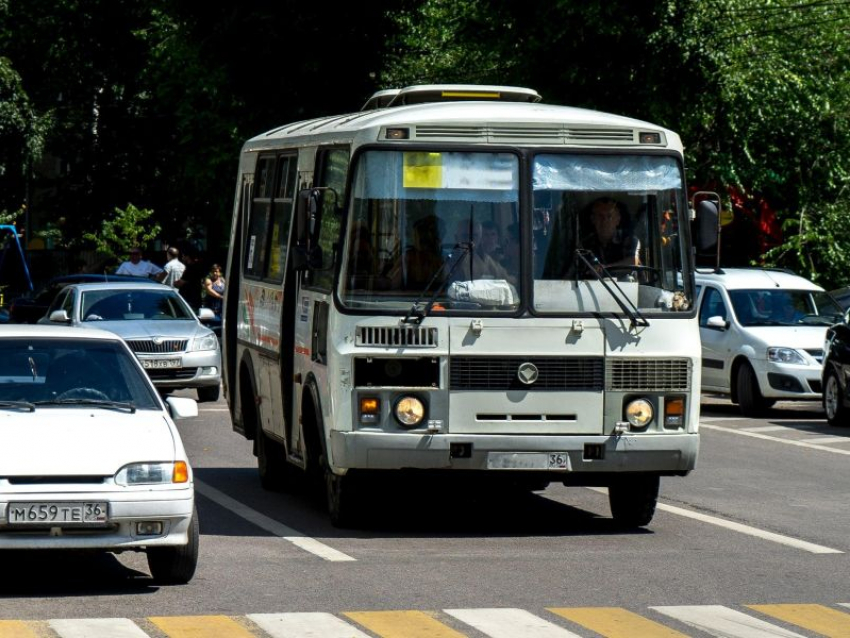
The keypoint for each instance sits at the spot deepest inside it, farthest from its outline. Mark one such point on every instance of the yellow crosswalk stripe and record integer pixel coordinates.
(615, 622)
(823, 620)
(16, 629)
(403, 624)
(200, 627)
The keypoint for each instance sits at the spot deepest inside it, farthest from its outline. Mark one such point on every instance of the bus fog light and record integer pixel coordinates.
(639, 413)
(409, 411)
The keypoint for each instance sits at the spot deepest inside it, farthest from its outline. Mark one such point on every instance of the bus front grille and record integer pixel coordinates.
(652, 375)
(502, 373)
(396, 336)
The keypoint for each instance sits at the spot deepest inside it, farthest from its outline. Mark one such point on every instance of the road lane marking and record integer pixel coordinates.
(616, 622)
(305, 625)
(16, 629)
(767, 428)
(277, 528)
(722, 418)
(510, 623)
(97, 628)
(200, 627)
(721, 621)
(741, 528)
(776, 439)
(214, 410)
(828, 439)
(403, 624)
(817, 618)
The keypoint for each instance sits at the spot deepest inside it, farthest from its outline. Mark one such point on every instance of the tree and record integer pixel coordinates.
(127, 228)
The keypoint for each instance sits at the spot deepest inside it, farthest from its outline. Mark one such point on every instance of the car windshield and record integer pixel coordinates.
(779, 307)
(131, 305)
(53, 371)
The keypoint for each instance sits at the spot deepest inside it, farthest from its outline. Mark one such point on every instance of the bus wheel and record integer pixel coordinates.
(343, 498)
(271, 463)
(633, 499)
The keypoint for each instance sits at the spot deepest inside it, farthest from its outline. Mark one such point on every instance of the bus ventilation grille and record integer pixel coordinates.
(648, 374)
(396, 337)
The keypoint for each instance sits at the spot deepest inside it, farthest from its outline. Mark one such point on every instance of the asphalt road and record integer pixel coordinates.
(762, 521)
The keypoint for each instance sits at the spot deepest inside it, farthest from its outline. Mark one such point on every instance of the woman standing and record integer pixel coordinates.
(214, 288)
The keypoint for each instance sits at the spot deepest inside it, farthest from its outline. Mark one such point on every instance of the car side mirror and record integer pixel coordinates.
(206, 314)
(717, 323)
(60, 316)
(181, 407)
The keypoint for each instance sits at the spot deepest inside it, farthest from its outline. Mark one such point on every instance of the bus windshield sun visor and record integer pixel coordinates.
(592, 263)
(415, 315)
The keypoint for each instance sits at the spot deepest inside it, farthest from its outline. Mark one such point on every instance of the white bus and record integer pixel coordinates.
(422, 286)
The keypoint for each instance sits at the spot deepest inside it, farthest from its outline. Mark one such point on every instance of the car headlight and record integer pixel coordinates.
(153, 473)
(207, 342)
(639, 413)
(785, 355)
(409, 411)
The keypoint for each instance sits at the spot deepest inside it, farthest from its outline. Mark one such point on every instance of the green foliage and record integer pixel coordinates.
(126, 228)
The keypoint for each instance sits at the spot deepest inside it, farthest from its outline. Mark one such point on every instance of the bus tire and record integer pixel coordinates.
(271, 463)
(750, 399)
(633, 499)
(343, 498)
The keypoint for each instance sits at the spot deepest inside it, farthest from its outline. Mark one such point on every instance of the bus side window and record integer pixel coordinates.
(332, 165)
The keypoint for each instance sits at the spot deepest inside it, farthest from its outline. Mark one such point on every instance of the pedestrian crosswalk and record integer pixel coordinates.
(786, 620)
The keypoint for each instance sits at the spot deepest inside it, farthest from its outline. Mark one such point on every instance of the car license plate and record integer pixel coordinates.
(50, 513)
(160, 363)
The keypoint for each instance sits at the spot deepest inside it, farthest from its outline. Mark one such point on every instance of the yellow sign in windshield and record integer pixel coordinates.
(423, 170)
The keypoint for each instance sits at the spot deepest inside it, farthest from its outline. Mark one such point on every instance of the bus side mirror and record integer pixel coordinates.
(706, 227)
(307, 214)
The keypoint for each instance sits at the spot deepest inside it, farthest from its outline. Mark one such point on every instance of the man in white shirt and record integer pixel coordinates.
(174, 269)
(138, 267)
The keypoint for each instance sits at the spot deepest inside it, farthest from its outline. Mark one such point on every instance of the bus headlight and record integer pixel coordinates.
(639, 413)
(409, 411)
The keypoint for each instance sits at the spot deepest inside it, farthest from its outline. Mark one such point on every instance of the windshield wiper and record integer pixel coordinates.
(103, 403)
(415, 315)
(635, 316)
(20, 405)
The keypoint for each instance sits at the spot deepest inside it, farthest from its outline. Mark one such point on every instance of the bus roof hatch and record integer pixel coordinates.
(422, 93)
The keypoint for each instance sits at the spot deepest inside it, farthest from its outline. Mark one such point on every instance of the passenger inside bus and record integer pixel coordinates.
(478, 264)
(424, 259)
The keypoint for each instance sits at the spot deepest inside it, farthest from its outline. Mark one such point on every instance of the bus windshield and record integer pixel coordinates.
(446, 227)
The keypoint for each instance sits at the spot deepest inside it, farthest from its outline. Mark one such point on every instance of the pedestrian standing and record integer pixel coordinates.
(174, 269)
(135, 266)
(214, 287)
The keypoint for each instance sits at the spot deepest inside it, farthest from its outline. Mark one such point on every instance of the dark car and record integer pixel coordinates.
(842, 296)
(32, 308)
(836, 372)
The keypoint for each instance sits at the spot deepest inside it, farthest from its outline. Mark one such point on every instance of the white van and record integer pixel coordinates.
(762, 333)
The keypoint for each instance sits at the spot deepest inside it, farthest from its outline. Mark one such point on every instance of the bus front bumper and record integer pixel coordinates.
(585, 455)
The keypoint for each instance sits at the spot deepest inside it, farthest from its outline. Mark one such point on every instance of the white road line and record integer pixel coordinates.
(305, 625)
(828, 439)
(723, 622)
(722, 418)
(767, 428)
(775, 439)
(213, 410)
(741, 528)
(97, 628)
(270, 525)
(510, 623)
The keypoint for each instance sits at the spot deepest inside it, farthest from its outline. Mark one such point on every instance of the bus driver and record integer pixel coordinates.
(609, 241)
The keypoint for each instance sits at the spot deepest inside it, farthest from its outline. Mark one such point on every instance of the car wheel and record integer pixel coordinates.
(176, 565)
(209, 394)
(750, 398)
(633, 499)
(833, 401)
(271, 463)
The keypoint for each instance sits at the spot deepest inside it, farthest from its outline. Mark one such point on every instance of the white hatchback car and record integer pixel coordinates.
(762, 333)
(89, 455)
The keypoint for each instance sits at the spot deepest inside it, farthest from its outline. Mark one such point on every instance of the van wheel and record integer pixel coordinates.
(176, 565)
(343, 497)
(633, 499)
(271, 463)
(833, 401)
(750, 399)
(209, 394)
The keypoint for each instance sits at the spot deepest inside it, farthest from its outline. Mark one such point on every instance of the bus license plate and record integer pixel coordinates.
(49, 513)
(160, 363)
(528, 461)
